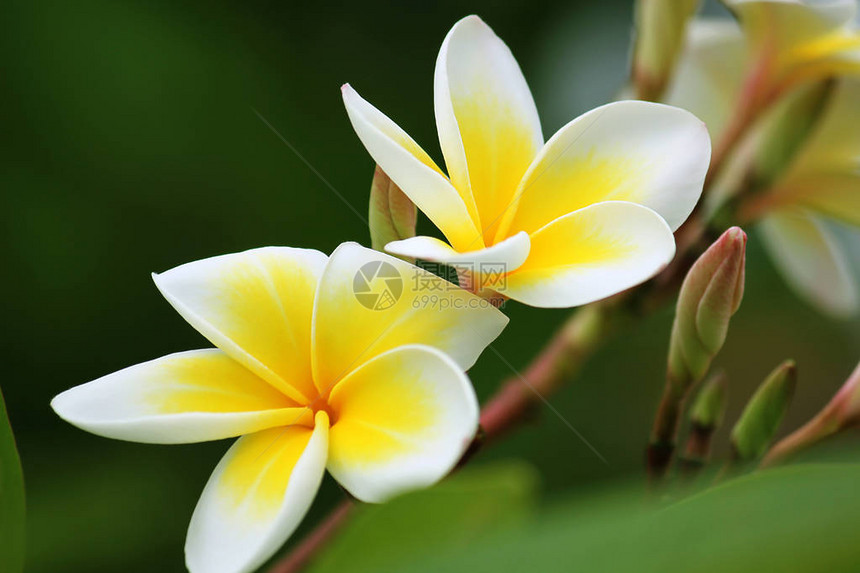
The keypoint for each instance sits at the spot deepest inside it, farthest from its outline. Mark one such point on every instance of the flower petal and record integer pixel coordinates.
(645, 153)
(810, 260)
(831, 194)
(369, 302)
(710, 72)
(403, 420)
(488, 124)
(256, 306)
(413, 171)
(786, 23)
(256, 498)
(181, 398)
(834, 146)
(591, 254)
(507, 255)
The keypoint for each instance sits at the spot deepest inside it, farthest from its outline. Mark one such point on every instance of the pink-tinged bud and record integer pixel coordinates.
(844, 409)
(841, 413)
(710, 295)
(392, 215)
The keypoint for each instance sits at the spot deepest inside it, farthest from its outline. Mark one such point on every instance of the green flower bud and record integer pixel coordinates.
(706, 414)
(760, 420)
(660, 30)
(391, 215)
(710, 295)
(842, 412)
(709, 407)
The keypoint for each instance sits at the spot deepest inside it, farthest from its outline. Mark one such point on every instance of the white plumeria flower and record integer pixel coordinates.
(576, 219)
(798, 40)
(821, 183)
(311, 377)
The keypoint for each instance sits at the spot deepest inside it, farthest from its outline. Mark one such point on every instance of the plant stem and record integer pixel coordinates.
(821, 426)
(308, 548)
(577, 339)
(697, 450)
(665, 431)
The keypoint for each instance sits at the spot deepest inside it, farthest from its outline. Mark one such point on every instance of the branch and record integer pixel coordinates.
(305, 551)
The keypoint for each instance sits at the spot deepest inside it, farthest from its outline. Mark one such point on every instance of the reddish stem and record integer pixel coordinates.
(310, 546)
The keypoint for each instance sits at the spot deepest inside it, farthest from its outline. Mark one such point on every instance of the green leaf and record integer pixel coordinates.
(12, 509)
(451, 515)
(800, 519)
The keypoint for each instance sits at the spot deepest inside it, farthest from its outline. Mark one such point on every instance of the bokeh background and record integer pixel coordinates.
(132, 145)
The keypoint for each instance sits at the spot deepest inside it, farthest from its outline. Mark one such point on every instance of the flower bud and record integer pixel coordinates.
(709, 407)
(760, 420)
(845, 405)
(660, 30)
(710, 295)
(392, 215)
(842, 412)
(706, 414)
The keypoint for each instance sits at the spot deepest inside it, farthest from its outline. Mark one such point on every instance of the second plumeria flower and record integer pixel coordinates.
(563, 223)
(321, 363)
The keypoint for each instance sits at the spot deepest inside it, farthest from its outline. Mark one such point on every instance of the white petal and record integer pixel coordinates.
(811, 261)
(404, 419)
(487, 120)
(591, 254)
(185, 397)
(507, 255)
(710, 72)
(369, 302)
(256, 498)
(413, 171)
(256, 306)
(646, 153)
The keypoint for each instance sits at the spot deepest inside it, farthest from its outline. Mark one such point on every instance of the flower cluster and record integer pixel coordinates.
(356, 362)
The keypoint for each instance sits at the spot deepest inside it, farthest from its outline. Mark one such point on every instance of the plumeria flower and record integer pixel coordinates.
(576, 219)
(798, 40)
(314, 374)
(820, 185)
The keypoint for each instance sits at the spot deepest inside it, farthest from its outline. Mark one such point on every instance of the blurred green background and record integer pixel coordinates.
(132, 146)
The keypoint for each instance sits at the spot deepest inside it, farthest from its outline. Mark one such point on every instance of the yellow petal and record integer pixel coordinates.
(256, 306)
(487, 120)
(811, 261)
(641, 152)
(834, 194)
(369, 302)
(591, 254)
(834, 145)
(256, 498)
(185, 397)
(783, 24)
(402, 421)
(414, 172)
